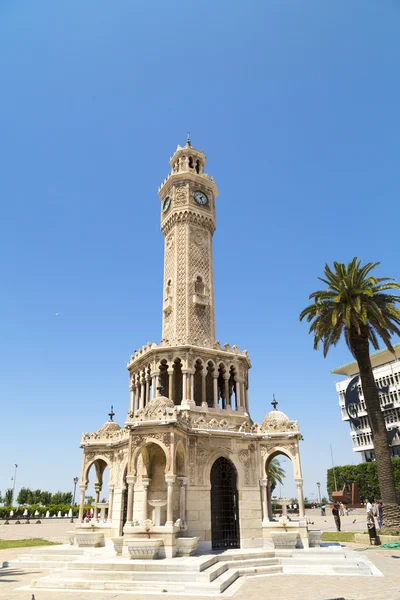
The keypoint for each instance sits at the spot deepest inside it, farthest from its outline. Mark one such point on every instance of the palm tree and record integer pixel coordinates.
(275, 474)
(358, 306)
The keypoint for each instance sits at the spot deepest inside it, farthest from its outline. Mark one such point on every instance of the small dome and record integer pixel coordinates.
(108, 427)
(276, 420)
(156, 409)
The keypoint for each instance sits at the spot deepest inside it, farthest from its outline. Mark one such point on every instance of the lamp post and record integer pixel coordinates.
(76, 479)
(319, 491)
(15, 479)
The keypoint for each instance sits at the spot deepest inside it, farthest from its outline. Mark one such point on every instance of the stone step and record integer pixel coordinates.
(253, 562)
(108, 575)
(188, 587)
(125, 564)
(228, 557)
(260, 570)
(63, 549)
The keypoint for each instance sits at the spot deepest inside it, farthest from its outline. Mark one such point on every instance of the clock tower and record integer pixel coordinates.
(188, 222)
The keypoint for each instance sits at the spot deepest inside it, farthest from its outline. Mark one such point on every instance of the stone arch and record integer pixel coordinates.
(91, 462)
(292, 456)
(139, 451)
(198, 381)
(177, 366)
(222, 395)
(224, 453)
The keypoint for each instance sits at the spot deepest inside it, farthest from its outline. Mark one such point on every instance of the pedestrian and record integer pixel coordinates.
(341, 509)
(336, 515)
(379, 513)
(368, 505)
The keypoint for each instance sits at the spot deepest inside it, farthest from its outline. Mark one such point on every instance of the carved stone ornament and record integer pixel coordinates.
(276, 420)
(159, 408)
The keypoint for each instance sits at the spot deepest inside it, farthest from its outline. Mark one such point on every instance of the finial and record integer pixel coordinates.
(188, 139)
(274, 403)
(111, 413)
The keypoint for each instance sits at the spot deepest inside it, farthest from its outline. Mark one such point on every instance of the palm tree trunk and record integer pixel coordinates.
(391, 508)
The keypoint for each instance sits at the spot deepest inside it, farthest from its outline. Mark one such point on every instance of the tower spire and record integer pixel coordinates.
(188, 142)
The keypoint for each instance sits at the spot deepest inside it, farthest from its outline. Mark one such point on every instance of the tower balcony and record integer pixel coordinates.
(167, 305)
(200, 300)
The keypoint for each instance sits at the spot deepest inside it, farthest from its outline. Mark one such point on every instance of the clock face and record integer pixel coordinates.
(200, 198)
(166, 204)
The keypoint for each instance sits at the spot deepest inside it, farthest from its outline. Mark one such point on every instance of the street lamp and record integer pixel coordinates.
(76, 479)
(15, 479)
(319, 491)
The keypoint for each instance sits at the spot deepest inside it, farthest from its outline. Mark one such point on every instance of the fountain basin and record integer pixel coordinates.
(186, 546)
(142, 548)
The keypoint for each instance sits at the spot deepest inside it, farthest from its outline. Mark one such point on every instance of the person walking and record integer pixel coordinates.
(379, 514)
(336, 516)
(368, 505)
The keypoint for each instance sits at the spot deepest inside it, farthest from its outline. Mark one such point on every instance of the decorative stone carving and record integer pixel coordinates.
(159, 408)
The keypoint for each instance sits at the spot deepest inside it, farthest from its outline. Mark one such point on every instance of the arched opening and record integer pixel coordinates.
(150, 495)
(198, 383)
(281, 494)
(97, 493)
(210, 384)
(178, 382)
(190, 162)
(163, 379)
(232, 388)
(199, 287)
(197, 166)
(222, 399)
(225, 532)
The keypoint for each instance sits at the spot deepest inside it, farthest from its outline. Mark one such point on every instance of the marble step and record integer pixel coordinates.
(260, 570)
(178, 576)
(190, 587)
(253, 562)
(125, 564)
(228, 557)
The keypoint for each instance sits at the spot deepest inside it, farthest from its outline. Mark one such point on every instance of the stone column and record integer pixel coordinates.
(137, 403)
(246, 396)
(215, 381)
(148, 380)
(184, 378)
(131, 397)
(264, 485)
(203, 388)
(191, 388)
(227, 399)
(110, 502)
(154, 386)
(82, 503)
(145, 483)
(142, 393)
(238, 386)
(182, 499)
(130, 480)
(97, 489)
(170, 479)
(171, 384)
(299, 485)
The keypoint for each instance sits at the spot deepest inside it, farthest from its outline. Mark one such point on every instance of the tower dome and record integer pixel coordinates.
(276, 420)
(108, 427)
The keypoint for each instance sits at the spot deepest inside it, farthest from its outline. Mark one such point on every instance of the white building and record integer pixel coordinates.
(386, 370)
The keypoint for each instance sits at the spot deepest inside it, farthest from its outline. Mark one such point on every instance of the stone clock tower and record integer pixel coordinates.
(188, 222)
(189, 460)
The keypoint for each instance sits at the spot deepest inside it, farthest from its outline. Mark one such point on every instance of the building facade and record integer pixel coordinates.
(189, 460)
(386, 369)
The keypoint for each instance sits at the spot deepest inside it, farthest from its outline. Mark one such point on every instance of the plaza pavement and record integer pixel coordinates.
(276, 587)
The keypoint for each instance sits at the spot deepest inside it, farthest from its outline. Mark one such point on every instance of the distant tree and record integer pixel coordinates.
(324, 500)
(36, 495)
(89, 500)
(8, 497)
(45, 498)
(24, 496)
(1, 498)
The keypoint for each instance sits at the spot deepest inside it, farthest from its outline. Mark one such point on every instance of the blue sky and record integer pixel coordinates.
(296, 107)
